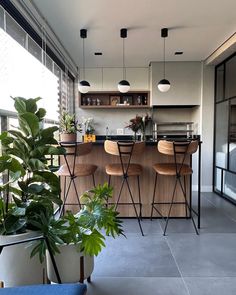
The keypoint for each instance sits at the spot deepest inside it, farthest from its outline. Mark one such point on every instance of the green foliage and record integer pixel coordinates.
(85, 229)
(33, 186)
(68, 123)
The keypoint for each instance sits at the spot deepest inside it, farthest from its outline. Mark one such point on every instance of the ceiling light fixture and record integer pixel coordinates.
(123, 85)
(84, 85)
(164, 84)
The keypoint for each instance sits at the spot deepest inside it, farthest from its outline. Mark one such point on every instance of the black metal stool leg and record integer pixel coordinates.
(136, 213)
(172, 200)
(64, 203)
(139, 197)
(76, 192)
(186, 207)
(190, 209)
(153, 198)
(109, 180)
(121, 188)
(94, 184)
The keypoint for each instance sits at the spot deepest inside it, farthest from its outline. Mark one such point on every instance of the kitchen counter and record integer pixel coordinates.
(151, 156)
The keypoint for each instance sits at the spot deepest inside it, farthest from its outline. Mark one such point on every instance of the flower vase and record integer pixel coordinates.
(143, 136)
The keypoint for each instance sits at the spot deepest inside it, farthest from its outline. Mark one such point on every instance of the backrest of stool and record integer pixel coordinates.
(178, 149)
(125, 150)
(171, 148)
(111, 147)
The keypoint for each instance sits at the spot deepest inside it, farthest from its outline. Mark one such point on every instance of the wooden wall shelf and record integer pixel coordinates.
(114, 100)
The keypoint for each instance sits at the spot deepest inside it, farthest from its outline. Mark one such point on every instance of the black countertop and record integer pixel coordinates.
(149, 141)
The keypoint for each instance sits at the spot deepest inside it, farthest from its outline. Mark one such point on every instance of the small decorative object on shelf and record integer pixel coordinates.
(114, 100)
(89, 129)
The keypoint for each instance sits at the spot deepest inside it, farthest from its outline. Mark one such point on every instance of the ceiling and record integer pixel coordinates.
(195, 27)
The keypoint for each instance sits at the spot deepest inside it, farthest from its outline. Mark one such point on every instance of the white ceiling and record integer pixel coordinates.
(196, 27)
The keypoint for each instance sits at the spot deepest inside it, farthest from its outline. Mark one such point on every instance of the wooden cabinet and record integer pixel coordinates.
(112, 99)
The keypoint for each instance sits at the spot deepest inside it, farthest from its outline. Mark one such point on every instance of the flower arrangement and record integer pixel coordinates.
(88, 125)
(139, 123)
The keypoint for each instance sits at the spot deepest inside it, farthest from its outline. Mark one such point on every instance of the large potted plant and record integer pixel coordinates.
(32, 189)
(83, 234)
(69, 127)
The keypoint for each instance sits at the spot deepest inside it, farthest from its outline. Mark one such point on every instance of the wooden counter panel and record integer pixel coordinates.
(164, 189)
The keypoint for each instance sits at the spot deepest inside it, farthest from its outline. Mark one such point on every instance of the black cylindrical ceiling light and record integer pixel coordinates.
(83, 85)
(123, 85)
(164, 84)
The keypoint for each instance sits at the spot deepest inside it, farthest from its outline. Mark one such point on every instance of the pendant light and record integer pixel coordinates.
(164, 84)
(123, 85)
(83, 85)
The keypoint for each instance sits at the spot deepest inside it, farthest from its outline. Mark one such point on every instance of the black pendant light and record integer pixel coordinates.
(83, 85)
(123, 85)
(164, 84)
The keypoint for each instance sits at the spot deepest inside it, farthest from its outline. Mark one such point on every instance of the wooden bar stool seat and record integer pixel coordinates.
(116, 169)
(72, 169)
(178, 150)
(125, 169)
(80, 170)
(170, 169)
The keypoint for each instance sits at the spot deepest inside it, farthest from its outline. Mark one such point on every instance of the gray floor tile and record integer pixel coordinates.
(211, 286)
(137, 286)
(136, 256)
(131, 226)
(205, 255)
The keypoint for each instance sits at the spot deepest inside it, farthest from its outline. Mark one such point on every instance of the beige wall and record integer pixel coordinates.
(192, 83)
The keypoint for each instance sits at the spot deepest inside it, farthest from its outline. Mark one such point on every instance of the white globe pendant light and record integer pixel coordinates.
(83, 85)
(123, 85)
(164, 84)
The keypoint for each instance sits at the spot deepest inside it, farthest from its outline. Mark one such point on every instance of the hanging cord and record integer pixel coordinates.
(164, 55)
(83, 62)
(124, 71)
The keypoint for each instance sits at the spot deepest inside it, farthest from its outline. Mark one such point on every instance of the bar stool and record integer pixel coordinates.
(71, 170)
(179, 150)
(126, 169)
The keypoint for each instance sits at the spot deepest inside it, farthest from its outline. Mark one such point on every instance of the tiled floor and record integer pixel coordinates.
(180, 263)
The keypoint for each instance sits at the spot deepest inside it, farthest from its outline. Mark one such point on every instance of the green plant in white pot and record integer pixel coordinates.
(32, 188)
(83, 234)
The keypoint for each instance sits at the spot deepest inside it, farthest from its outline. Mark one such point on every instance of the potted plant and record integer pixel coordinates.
(83, 234)
(32, 188)
(69, 127)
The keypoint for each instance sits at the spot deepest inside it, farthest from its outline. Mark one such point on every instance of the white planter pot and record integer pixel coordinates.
(16, 266)
(68, 264)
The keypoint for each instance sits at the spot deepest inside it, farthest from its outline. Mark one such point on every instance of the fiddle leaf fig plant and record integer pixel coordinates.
(32, 187)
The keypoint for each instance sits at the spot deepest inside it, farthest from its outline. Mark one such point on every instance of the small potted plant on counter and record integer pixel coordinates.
(69, 127)
(32, 189)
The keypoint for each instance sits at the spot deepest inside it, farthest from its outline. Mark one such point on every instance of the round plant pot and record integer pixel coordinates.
(16, 266)
(68, 264)
(68, 137)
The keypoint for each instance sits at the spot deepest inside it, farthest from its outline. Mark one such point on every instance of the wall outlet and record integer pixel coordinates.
(120, 131)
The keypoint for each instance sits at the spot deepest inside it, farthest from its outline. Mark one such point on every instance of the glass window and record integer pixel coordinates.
(221, 134)
(1, 18)
(49, 63)
(232, 136)
(34, 49)
(218, 179)
(220, 83)
(21, 74)
(229, 187)
(14, 30)
(230, 78)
